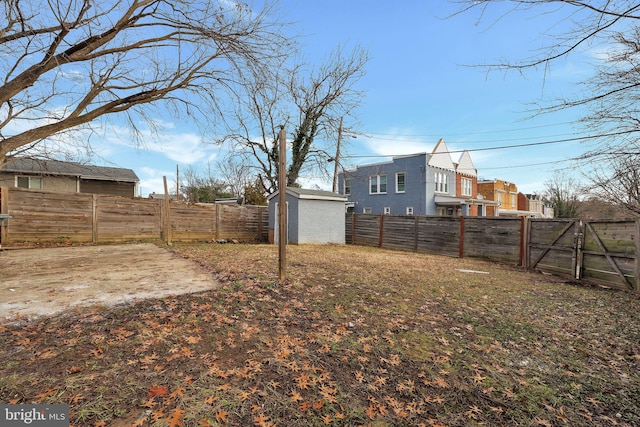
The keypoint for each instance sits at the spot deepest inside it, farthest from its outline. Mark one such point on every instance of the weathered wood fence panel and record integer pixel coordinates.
(40, 216)
(609, 253)
(243, 222)
(604, 251)
(123, 218)
(192, 222)
(366, 229)
(398, 232)
(493, 238)
(438, 235)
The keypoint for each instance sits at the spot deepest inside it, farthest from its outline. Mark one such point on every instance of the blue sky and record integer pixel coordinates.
(419, 87)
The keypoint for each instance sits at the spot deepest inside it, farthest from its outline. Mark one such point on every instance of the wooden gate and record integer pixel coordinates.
(599, 251)
(553, 245)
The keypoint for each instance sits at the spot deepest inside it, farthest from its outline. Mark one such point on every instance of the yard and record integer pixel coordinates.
(358, 336)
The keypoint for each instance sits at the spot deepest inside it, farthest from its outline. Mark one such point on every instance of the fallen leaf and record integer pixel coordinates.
(158, 390)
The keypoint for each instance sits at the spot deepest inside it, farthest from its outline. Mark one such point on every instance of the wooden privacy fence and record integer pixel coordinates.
(603, 251)
(40, 216)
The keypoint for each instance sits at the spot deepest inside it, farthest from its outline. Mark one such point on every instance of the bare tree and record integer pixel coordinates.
(619, 185)
(609, 101)
(203, 187)
(68, 63)
(311, 102)
(563, 193)
(235, 174)
(611, 96)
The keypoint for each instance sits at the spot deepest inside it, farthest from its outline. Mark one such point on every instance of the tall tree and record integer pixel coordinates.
(69, 63)
(310, 102)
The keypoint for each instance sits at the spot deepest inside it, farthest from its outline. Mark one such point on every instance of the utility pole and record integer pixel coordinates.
(336, 159)
(282, 206)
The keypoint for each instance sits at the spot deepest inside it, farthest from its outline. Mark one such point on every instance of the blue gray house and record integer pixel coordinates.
(416, 184)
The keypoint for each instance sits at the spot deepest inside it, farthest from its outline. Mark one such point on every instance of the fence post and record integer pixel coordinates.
(636, 282)
(461, 254)
(4, 209)
(353, 228)
(217, 221)
(94, 218)
(259, 225)
(523, 240)
(167, 206)
(380, 230)
(416, 230)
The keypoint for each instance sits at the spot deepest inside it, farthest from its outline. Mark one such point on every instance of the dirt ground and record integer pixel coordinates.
(35, 282)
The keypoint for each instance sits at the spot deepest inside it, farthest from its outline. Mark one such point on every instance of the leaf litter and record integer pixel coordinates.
(356, 337)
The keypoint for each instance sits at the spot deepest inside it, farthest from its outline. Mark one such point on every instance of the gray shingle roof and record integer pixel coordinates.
(56, 167)
(304, 193)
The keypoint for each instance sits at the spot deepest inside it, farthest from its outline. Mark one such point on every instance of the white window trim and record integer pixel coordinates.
(387, 210)
(466, 190)
(405, 182)
(442, 183)
(347, 193)
(409, 210)
(377, 177)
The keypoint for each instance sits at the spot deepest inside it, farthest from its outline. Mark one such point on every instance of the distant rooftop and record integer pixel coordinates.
(304, 193)
(60, 168)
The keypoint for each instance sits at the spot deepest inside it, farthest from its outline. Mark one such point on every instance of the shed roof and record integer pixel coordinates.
(303, 193)
(60, 168)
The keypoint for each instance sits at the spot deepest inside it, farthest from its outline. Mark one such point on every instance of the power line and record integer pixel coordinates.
(477, 141)
(476, 132)
(557, 141)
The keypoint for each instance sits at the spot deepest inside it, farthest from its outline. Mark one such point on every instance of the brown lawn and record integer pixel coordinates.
(358, 336)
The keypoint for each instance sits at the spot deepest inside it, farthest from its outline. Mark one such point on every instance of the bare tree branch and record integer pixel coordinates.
(69, 63)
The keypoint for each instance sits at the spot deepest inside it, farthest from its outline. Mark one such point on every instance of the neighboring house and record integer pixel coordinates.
(534, 205)
(55, 175)
(505, 194)
(313, 216)
(417, 184)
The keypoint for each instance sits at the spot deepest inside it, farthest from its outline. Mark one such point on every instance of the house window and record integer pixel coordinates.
(29, 182)
(409, 210)
(499, 198)
(400, 186)
(366, 210)
(466, 189)
(347, 186)
(378, 184)
(387, 210)
(514, 203)
(442, 183)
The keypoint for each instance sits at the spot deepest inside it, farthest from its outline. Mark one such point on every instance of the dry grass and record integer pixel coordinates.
(358, 336)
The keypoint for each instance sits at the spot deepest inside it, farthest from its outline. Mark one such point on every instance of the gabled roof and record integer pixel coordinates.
(59, 168)
(440, 157)
(303, 193)
(465, 165)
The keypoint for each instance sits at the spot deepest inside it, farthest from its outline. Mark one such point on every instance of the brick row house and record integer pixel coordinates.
(434, 184)
(416, 184)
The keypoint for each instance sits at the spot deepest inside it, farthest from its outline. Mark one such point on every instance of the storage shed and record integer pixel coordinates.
(314, 216)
